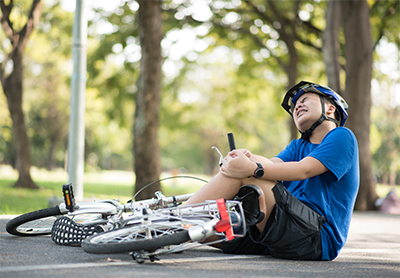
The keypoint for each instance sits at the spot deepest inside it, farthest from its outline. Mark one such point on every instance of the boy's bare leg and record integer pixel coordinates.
(218, 187)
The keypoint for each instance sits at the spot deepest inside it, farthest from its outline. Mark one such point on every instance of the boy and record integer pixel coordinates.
(307, 215)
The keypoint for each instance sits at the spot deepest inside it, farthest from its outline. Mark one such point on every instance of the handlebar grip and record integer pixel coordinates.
(231, 140)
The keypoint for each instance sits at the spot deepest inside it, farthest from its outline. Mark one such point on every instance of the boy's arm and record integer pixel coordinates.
(276, 160)
(238, 164)
(259, 158)
(306, 168)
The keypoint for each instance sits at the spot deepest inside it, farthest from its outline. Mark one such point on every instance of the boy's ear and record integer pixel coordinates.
(331, 108)
(330, 111)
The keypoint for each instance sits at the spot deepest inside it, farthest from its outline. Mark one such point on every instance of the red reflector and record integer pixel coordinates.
(222, 226)
(225, 217)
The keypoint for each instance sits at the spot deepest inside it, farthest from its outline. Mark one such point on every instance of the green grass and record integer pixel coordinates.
(102, 185)
(97, 186)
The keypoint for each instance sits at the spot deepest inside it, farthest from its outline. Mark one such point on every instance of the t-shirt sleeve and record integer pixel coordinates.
(288, 153)
(337, 151)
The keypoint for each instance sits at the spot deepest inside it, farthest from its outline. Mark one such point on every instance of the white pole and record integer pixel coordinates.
(76, 136)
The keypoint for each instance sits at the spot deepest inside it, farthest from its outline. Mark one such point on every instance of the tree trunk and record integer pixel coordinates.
(330, 49)
(146, 148)
(13, 89)
(358, 54)
(292, 74)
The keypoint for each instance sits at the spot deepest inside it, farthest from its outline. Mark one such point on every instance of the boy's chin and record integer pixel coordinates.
(302, 128)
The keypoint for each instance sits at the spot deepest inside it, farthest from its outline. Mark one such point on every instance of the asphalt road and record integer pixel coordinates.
(372, 250)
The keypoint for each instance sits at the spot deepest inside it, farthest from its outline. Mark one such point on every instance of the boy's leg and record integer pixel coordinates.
(270, 201)
(221, 186)
(218, 187)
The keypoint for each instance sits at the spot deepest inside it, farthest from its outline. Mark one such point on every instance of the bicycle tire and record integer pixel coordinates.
(34, 223)
(40, 222)
(131, 239)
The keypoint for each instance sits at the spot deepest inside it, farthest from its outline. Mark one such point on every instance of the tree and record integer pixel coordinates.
(251, 15)
(47, 76)
(331, 46)
(274, 27)
(358, 49)
(12, 83)
(358, 54)
(146, 148)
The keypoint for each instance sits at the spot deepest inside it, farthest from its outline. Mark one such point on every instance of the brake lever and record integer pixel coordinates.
(232, 146)
(221, 157)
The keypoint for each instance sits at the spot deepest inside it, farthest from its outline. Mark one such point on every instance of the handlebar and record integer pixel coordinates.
(162, 201)
(231, 140)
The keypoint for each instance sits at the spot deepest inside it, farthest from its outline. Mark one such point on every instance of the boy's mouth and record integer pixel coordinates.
(301, 112)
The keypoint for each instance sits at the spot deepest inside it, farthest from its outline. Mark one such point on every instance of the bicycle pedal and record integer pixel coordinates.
(69, 198)
(66, 232)
(141, 257)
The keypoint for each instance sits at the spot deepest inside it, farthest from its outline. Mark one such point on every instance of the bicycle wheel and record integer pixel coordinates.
(40, 222)
(136, 238)
(37, 222)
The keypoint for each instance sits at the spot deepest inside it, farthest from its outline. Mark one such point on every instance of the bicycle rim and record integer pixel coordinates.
(140, 237)
(40, 222)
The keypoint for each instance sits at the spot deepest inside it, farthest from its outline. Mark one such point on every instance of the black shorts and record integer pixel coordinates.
(293, 231)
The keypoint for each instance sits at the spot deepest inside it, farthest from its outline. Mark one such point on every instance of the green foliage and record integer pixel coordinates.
(385, 20)
(103, 185)
(385, 130)
(46, 102)
(230, 76)
(99, 185)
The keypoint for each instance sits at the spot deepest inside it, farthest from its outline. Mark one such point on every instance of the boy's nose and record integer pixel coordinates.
(297, 106)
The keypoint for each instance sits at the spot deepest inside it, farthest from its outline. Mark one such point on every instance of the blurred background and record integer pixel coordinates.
(226, 66)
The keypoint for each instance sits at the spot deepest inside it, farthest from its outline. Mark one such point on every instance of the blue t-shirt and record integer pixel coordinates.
(333, 193)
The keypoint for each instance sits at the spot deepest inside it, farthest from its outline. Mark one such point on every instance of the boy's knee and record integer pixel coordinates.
(253, 202)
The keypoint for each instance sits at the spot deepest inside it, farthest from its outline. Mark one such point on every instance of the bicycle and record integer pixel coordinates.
(171, 230)
(175, 229)
(104, 212)
(155, 226)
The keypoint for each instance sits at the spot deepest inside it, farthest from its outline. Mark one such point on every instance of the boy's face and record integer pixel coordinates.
(307, 111)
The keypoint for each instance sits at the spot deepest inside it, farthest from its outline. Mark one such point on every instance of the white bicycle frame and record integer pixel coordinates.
(113, 210)
(199, 229)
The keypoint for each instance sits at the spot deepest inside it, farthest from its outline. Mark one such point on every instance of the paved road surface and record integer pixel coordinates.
(372, 250)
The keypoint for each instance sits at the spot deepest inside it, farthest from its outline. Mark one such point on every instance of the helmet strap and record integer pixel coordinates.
(307, 134)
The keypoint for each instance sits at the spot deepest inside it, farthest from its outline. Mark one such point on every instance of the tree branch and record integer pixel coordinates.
(33, 19)
(18, 40)
(389, 11)
(5, 19)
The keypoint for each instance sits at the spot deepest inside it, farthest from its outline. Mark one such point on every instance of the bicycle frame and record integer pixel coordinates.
(199, 230)
(112, 210)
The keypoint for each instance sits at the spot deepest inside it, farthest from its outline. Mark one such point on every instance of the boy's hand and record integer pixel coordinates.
(246, 152)
(237, 164)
